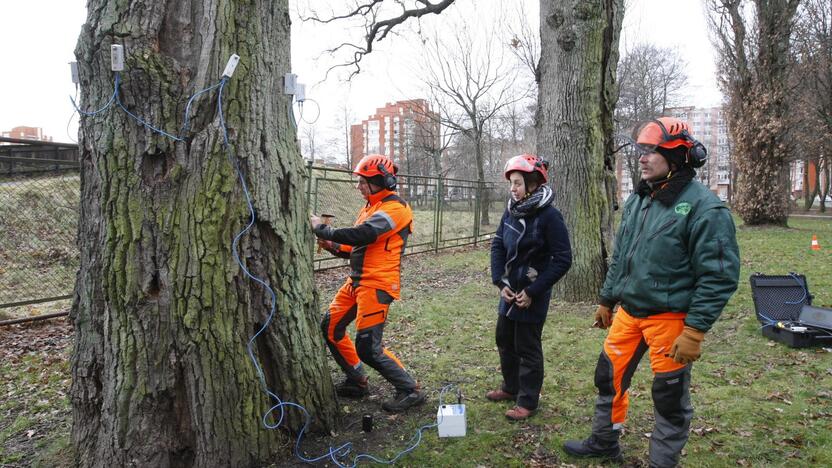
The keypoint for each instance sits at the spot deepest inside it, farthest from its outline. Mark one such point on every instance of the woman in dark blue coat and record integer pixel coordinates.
(529, 254)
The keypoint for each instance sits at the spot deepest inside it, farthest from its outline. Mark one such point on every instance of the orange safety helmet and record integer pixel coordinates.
(665, 132)
(669, 133)
(527, 163)
(378, 165)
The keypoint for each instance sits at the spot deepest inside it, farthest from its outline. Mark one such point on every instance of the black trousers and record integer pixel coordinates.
(521, 359)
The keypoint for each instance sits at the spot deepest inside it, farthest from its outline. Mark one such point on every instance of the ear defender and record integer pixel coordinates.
(697, 154)
(390, 180)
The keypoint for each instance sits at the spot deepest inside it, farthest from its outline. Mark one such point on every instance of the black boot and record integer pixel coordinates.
(404, 400)
(593, 447)
(350, 388)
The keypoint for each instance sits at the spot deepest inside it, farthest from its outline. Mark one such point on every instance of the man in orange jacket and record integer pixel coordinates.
(374, 246)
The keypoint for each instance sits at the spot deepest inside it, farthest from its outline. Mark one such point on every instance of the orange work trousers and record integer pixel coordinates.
(628, 339)
(368, 307)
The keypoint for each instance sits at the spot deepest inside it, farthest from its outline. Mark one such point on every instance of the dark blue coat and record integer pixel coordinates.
(530, 253)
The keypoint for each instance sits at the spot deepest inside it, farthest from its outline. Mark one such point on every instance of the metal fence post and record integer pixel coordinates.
(437, 213)
(309, 183)
(477, 205)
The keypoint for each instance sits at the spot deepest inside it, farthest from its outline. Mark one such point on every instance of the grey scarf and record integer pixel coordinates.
(540, 198)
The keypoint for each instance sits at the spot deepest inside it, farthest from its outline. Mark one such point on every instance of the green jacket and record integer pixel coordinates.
(679, 257)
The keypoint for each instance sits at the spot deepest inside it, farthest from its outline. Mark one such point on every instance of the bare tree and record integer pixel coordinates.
(752, 38)
(471, 82)
(434, 138)
(812, 81)
(310, 142)
(577, 95)
(650, 79)
(343, 124)
(525, 43)
(379, 17)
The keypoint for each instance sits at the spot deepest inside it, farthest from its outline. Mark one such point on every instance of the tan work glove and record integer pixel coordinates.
(603, 317)
(688, 346)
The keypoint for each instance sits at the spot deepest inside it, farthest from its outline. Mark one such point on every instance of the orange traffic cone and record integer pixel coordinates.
(815, 245)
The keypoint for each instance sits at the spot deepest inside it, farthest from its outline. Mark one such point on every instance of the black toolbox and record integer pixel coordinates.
(778, 300)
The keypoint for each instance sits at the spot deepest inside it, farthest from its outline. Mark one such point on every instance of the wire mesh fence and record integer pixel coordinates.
(446, 212)
(39, 220)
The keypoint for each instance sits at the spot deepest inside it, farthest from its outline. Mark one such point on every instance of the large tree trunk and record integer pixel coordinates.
(758, 122)
(579, 44)
(162, 311)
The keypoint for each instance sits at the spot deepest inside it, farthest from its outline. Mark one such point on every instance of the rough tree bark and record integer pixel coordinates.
(755, 79)
(579, 44)
(162, 312)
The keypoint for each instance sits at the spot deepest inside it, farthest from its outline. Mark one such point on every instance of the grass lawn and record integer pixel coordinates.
(757, 403)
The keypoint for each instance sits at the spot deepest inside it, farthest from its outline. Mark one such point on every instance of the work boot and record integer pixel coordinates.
(350, 388)
(403, 400)
(518, 413)
(500, 395)
(593, 447)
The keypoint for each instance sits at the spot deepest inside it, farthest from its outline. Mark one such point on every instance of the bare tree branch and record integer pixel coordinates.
(376, 29)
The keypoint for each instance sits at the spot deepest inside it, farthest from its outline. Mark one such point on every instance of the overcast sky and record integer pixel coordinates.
(38, 38)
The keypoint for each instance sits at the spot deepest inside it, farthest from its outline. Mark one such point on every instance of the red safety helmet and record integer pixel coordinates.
(527, 163)
(375, 164)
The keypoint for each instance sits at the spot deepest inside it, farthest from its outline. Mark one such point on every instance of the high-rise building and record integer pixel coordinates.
(400, 130)
(708, 125)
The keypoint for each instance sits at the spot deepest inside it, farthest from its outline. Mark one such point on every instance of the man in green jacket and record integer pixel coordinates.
(675, 265)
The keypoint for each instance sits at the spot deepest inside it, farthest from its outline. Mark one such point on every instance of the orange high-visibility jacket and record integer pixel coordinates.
(376, 243)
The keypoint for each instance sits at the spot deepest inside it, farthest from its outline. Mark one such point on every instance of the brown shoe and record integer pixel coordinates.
(518, 413)
(500, 395)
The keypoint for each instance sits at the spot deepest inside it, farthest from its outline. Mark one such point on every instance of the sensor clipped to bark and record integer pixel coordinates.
(231, 66)
(73, 69)
(300, 92)
(116, 57)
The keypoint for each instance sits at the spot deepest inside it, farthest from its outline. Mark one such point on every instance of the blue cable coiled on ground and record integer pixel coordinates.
(334, 453)
(770, 322)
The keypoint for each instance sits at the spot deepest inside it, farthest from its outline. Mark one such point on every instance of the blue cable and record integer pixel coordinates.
(802, 285)
(186, 125)
(106, 106)
(116, 98)
(336, 454)
(139, 120)
(770, 322)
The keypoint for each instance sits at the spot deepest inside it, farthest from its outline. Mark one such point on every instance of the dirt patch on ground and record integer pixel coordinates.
(35, 411)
